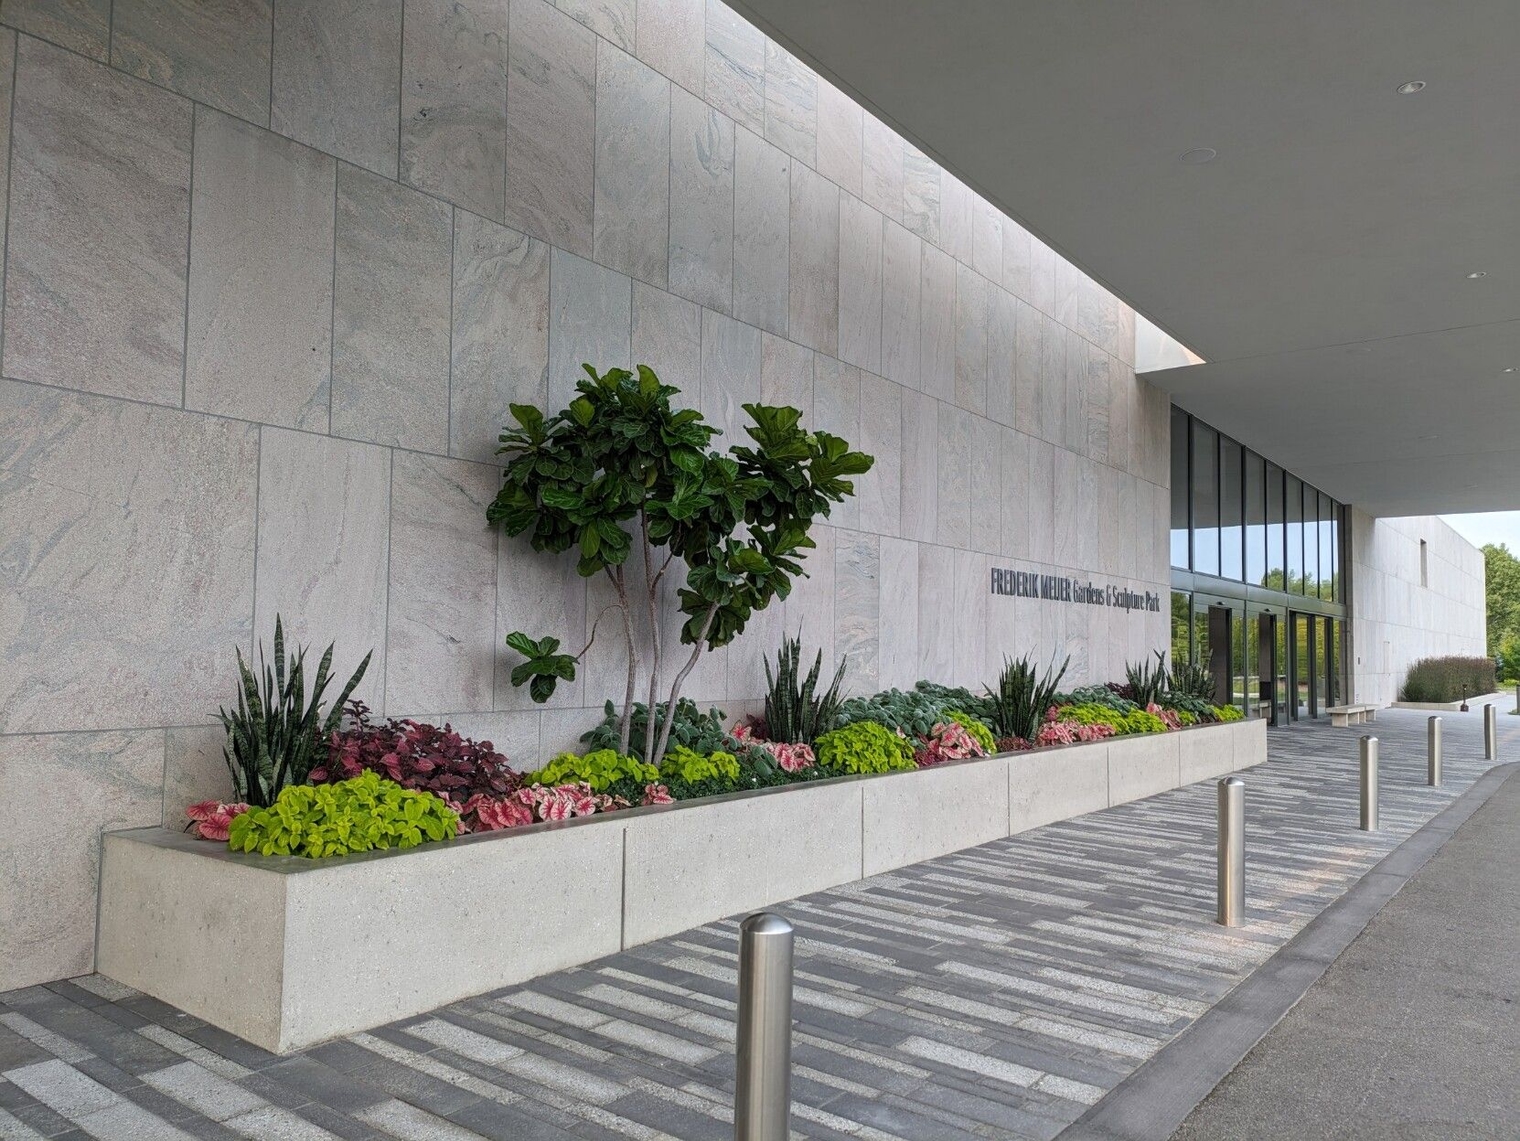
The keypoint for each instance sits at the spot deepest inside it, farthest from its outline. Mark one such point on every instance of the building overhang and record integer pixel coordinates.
(1320, 262)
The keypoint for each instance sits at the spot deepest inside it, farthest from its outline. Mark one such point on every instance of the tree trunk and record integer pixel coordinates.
(625, 725)
(652, 591)
(675, 686)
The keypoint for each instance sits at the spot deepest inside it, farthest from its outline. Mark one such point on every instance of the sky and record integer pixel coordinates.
(1489, 527)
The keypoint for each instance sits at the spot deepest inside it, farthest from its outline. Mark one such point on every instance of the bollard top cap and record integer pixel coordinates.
(766, 923)
(1230, 782)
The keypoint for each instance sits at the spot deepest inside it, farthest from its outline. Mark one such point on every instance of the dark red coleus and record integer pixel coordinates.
(416, 755)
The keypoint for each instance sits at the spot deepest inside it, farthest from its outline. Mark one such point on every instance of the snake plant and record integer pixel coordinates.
(276, 734)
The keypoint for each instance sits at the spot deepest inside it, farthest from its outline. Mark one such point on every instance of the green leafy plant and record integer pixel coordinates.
(621, 471)
(603, 769)
(794, 709)
(277, 733)
(1201, 710)
(1190, 679)
(976, 727)
(1023, 695)
(357, 815)
(1228, 713)
(1097, 695)
(1133, 721)
(684, 764)
(689, 728)
(915, 712)
(864, 747)
(1147, 683)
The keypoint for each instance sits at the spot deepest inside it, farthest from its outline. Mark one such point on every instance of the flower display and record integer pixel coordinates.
(792, 758)
(949, 741)
(212, 818)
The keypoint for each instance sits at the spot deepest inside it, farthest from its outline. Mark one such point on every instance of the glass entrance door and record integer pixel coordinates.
(1262, 660)
(1303, 666)
(1300, 666)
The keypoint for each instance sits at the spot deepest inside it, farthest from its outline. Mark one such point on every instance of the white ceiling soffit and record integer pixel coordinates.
(1338, 215)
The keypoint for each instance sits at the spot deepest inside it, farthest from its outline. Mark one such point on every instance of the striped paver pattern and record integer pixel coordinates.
(994, 993)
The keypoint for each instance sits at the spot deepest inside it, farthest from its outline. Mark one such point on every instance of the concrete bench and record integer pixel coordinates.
(1344, 715)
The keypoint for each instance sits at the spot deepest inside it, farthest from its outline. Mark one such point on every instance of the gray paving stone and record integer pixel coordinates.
(995, 992)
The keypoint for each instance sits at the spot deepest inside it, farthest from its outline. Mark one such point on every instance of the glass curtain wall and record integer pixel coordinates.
(1257, 576)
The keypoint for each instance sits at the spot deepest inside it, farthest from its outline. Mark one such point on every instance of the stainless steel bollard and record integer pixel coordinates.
(1369, 784)
(763, 1097)
(1490, 733)
(1232, 851)
(1433, 762)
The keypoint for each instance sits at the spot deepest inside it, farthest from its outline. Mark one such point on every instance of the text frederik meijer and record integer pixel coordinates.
(1059, 588)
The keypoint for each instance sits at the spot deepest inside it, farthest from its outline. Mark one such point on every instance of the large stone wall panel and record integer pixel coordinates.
(99, 226)
(128, 571)
(335, 80)
(91, 782)
(259, 345)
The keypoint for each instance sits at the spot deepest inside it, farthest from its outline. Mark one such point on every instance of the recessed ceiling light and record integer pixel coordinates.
(1477, 273)
(1198, 155)
(1410, 88)
(1509, 370)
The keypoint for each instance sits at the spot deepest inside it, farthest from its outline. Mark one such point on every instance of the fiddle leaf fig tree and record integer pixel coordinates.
(621, 474)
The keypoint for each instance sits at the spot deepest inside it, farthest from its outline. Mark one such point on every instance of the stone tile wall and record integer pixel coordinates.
(1396, 618)
(274, 273)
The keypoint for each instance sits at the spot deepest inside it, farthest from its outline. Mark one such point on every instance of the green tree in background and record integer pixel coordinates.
(1502, 578)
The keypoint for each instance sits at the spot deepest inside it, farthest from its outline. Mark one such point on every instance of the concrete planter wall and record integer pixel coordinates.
(289, 952)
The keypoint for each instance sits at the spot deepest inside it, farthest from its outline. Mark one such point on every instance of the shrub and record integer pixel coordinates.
(1104, 695)
(1134, 721)
(914, 713)
(864, 747)
(950, 697)
(1146, 683)
(1190, 679)
(622, 472)
(1022, 697)
(601, 770)
(1444, 679)
(792, 758)
(795, 712)
(355, 815)
(1227, 713)
(692, 767)
(416, 755)
(688, 775)
(690, 728)
(275, 734)
(976, 728)
(949, 741)
(1058, 732)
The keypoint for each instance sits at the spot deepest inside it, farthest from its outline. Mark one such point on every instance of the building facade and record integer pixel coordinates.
(272, 279)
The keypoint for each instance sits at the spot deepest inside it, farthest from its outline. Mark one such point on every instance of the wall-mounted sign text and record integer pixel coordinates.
(1059, 588)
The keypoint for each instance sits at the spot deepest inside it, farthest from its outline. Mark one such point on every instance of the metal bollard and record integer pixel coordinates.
(1232, 851)
(1369, 784)
(1517, 697)
(763, 1097)
(1490, 733)
(1433, 742)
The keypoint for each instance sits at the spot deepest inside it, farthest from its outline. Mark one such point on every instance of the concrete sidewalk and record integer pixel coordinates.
(1414, 1032)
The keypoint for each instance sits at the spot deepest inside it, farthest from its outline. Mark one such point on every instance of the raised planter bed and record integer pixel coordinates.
(288, 952)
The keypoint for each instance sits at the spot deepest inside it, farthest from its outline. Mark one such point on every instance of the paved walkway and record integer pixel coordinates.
(1414, 1031)
(995, 993)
